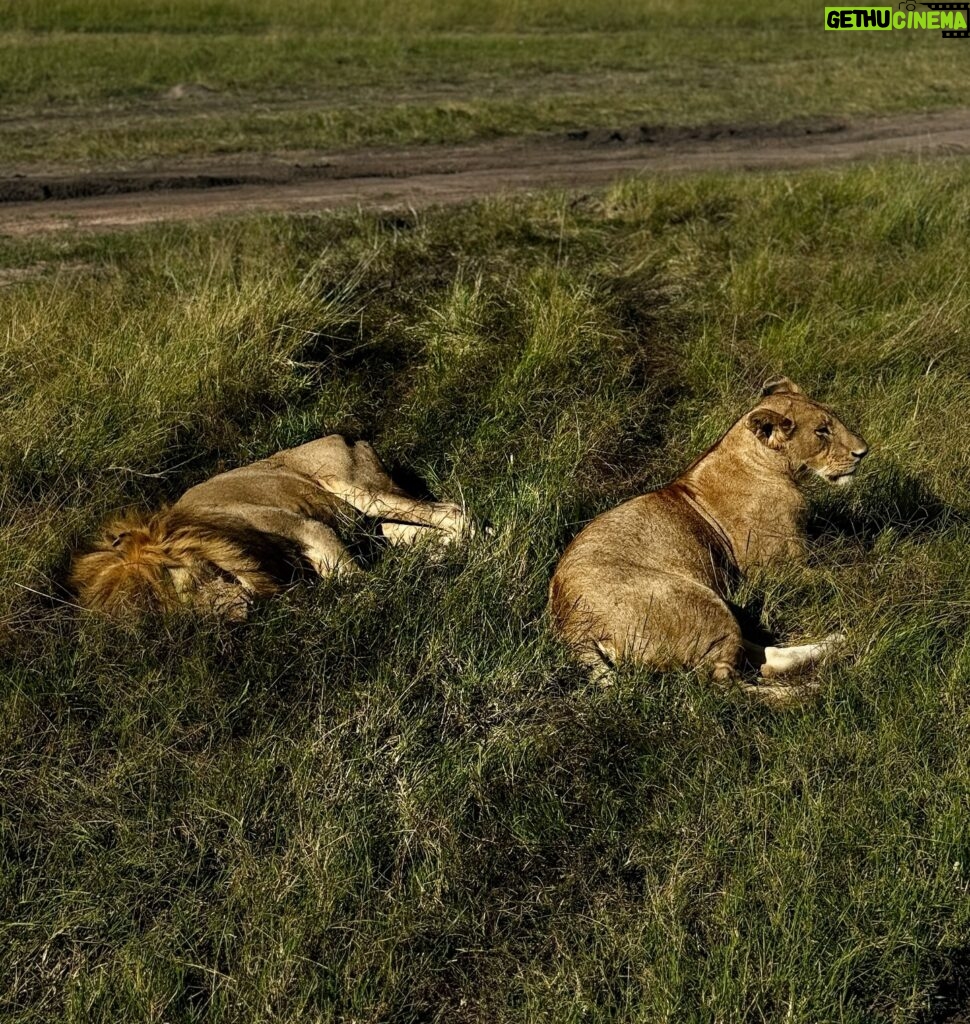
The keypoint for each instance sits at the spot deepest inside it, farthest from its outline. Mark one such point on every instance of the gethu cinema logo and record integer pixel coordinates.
(950, 18)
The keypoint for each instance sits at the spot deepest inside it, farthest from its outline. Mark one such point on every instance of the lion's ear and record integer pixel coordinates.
(780, 386)
(769, 427)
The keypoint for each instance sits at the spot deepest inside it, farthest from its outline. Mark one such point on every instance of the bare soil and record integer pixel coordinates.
(383, 179)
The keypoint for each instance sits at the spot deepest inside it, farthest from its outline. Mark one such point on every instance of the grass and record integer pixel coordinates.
(90, 82)
(393, 798)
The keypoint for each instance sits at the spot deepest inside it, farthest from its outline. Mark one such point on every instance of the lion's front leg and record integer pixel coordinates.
(319, 545)
(403, 534)
(324, 550)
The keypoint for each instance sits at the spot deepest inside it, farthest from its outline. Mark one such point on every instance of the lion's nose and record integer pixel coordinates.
(861, 451)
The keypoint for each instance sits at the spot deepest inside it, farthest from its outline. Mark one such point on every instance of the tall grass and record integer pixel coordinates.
(393, 798)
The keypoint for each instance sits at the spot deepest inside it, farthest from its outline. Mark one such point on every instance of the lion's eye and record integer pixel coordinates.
(822, 431)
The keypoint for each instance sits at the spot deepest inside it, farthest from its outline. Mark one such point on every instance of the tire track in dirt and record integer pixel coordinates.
(422, 176)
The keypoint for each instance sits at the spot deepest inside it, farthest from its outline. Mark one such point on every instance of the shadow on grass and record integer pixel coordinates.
(751, 619)
(950, 1001)
(896, 500)
(353, 347)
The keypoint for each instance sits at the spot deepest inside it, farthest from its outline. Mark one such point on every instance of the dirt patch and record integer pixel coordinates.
(426, 175)
(224, 172)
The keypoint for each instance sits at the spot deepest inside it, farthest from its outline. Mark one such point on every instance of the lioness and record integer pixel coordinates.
(646, 581)
(245, 533)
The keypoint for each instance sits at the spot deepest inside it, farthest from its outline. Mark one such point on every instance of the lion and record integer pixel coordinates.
(647, 581)
(247, 533)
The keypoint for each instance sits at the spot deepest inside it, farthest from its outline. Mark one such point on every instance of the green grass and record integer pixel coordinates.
(89, 81)
(392, 798)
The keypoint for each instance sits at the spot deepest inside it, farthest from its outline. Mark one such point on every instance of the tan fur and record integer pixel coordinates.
(647, 581)
(158, 563)
(243, 535)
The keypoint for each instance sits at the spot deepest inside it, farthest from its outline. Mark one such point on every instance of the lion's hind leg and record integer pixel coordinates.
(718, 641)
(446, 520)
(354, 474)
(397, 509)
(665, 622)
(674, 622)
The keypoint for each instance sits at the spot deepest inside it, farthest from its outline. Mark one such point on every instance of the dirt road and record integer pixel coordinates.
(423, 176)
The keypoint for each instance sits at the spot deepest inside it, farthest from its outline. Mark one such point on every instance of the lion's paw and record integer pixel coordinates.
(451, 523)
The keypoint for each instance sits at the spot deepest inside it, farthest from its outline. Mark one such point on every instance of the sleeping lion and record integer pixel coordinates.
(244, 534)
(646, 581)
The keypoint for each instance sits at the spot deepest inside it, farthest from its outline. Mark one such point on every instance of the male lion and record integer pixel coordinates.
(245, 533)
(646, 581)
